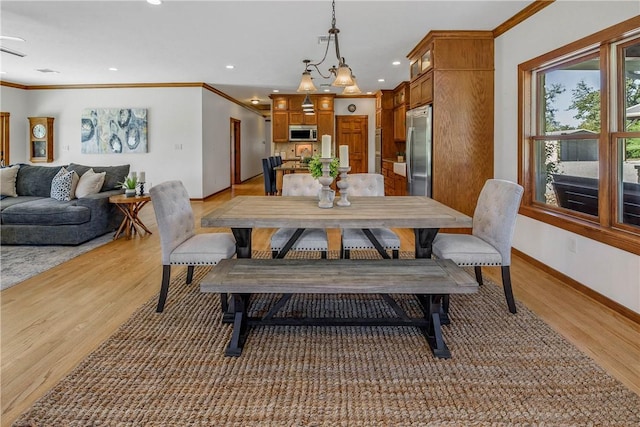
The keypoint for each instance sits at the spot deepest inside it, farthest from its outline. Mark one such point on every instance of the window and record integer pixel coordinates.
(580, 152)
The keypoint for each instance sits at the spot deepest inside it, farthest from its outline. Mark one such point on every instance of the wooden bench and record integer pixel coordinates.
(427, 279)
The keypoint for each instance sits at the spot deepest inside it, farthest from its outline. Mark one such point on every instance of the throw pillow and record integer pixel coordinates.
(64, 184)
(90, 183)
(8, 181)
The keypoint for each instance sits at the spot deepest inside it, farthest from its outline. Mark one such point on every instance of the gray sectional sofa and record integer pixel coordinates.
(34, 218)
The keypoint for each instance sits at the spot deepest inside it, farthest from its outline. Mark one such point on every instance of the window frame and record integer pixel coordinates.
(605, 228)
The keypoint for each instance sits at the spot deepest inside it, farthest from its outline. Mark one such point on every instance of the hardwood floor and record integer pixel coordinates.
(50, 322)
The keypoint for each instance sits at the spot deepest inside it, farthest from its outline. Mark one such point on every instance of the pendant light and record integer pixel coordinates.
(342, 72)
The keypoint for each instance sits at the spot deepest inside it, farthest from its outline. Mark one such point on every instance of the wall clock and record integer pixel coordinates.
(351, 107)
(41, 139)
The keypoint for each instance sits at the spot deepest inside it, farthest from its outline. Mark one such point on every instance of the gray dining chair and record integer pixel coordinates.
(311, 239)
(180, 244)
(489, 243)
(367, 185)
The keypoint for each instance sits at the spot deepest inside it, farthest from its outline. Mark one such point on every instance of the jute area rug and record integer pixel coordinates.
(18, 263)
(169, 369)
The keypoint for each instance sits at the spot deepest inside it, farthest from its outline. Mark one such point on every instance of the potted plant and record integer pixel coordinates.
(315, 167)
(129, 184)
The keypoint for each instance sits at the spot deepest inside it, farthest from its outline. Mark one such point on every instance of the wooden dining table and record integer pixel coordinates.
(244, 213)
(424, 215)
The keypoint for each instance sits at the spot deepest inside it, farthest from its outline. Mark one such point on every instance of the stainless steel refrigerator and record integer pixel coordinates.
(419, 151)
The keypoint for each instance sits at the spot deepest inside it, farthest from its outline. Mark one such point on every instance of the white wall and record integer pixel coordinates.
(188, 132)
(14, 101)
(607, 270)
(216, 154)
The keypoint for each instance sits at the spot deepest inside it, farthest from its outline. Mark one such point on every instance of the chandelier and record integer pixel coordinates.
(343, 75)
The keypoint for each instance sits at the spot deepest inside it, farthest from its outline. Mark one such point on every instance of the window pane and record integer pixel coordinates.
(567, 174)
(570, 99)
(629, 188)
(632, 88)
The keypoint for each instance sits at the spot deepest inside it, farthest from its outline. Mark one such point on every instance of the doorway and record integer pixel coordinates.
(235, 152)
(353, 132)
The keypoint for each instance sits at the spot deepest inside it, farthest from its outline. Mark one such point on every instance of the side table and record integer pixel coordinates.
(130, 207)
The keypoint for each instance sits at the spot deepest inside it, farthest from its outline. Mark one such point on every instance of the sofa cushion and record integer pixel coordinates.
(46, 211)
(8, 181)
(90, 183)
(63, 186)
(35, 180)
(114, 174)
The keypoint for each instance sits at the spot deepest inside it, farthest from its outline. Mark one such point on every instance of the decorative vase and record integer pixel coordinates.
(130, 192)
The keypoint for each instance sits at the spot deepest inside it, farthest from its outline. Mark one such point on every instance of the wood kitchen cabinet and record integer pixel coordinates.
(400, 102)
(394, 184)
(287, 110)
(384, 121)
(280, 126)
(325, 123)
(454, 72)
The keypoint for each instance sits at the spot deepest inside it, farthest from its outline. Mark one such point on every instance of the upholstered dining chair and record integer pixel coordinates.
(269, 184)
(489, 244)
(179, 242)
(365, 185)
(311, 239)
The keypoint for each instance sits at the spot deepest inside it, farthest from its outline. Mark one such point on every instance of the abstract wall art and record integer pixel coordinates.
(114, 130)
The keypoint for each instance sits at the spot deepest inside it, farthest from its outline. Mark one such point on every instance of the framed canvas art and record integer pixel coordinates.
(114, 130)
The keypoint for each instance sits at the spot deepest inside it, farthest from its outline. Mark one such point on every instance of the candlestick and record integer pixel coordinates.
(344, 156)
(343, 185)
(326, 201)
(326, 146)
(142, 177)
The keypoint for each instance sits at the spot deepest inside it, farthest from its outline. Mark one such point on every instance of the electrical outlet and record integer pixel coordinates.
(572, 245)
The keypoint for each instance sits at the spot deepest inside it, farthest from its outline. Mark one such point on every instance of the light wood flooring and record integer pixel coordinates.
(50, 322)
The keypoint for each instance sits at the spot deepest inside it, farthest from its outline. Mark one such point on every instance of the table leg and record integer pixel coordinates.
(367, 232)
(240, 327)
(279, 175)
(433, 332)
(136, 219)
(424, 240)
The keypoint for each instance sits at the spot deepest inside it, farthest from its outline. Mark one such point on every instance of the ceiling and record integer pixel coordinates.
(193, 41)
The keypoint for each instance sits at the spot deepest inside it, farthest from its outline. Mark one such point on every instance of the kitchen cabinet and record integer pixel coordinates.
(454, 72)
(300, 118)
(287, 110)
(280, 126)
(325, 123)
(400, 101)
(384, 121)
(394, 184)
(421, 91)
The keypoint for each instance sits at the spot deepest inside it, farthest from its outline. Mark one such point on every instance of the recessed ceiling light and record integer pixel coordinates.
(381, 80)
(230, 67)
(154, 2)
(12, 38)
(369, 93)
(276, 90)
(327, 90)
(396, 62)
(255, 101)
(113, 69)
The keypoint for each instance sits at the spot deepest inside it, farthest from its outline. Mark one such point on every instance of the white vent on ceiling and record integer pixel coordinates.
(323, 39)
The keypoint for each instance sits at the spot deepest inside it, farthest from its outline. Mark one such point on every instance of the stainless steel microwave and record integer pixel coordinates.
(303, 133)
